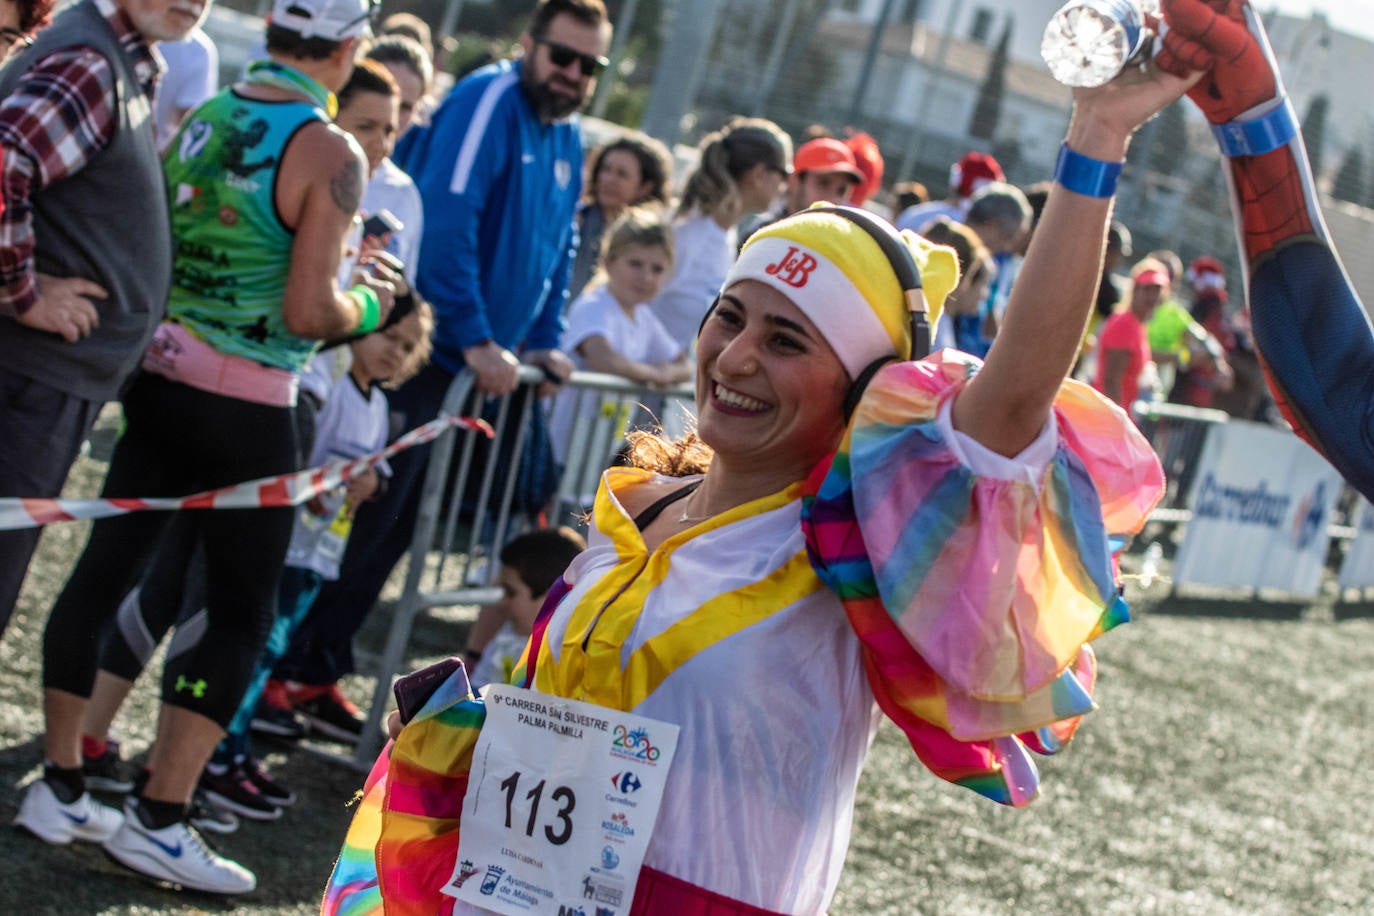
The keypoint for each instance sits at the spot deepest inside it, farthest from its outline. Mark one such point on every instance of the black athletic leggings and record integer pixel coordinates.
(180, 440)
(141, 622)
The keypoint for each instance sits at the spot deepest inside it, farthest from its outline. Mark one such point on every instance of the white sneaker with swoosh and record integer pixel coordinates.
(176, 853)
(46, 817)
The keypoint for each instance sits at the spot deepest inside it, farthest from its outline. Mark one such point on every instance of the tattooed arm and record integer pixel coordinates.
(319, 188)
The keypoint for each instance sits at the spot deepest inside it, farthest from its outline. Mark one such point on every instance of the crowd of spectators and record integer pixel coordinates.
(333, 226)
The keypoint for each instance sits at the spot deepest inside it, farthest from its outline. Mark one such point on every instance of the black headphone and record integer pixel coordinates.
(908, 273)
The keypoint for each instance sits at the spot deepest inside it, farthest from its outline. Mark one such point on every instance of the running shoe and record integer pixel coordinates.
(47, 817)
(176, 853)
(328, 712)
(274, 715)
(274, 790)
(231, 789)
(207, 816)
(107, 773)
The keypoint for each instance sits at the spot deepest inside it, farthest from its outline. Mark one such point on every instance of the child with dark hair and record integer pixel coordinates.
(530, 565)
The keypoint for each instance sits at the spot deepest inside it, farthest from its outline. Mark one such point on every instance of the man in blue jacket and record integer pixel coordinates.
(499, 171)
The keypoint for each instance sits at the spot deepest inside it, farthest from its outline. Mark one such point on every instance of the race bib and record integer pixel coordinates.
(560, 805)
(325, 535)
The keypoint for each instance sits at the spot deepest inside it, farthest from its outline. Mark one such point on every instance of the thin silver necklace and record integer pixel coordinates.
(684, 517)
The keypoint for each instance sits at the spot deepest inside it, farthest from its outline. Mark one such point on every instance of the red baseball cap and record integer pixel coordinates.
(1151, 276)
(869, 159)
(973, 171)
(1207, 273)
(826, 155)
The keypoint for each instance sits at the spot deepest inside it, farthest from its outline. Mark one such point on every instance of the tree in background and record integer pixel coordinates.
(1169, 135)
(987, 111)
(745, 32)
(1314, 131)
(1349, 183)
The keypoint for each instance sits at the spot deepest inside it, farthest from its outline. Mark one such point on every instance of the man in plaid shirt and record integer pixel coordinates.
(85, 237)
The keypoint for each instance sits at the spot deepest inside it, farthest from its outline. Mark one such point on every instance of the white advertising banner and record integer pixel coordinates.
(1358, 569)
(1261, 506)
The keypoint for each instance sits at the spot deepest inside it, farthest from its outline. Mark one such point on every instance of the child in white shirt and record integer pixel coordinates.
(611, 328)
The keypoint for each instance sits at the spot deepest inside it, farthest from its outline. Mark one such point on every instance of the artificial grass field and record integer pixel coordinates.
(1224, 773)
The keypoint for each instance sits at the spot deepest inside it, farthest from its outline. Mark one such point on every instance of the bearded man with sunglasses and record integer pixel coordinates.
(499, 170)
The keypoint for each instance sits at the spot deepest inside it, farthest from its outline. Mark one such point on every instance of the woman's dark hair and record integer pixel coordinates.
(909, 194)
(282, 40)
(1037, 195)
(587, 12)
(368, 76)
(406, 52)
(655, 167)
(967, 246)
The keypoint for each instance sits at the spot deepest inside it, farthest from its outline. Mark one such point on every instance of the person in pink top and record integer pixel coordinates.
(1124, 349)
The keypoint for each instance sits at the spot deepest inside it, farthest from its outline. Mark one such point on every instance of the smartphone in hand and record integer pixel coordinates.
(413, 691)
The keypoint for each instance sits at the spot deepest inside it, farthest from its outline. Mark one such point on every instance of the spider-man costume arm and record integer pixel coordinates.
(1314, 338)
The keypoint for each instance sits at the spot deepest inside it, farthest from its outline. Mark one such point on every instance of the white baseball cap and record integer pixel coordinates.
(332, 20)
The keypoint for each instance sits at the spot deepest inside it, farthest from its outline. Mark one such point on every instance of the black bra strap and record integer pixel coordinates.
(648, 516)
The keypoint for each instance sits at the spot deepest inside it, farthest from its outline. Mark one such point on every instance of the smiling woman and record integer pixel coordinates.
(872, 535)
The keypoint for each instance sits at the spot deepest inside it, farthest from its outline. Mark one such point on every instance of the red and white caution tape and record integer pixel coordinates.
(282, 490)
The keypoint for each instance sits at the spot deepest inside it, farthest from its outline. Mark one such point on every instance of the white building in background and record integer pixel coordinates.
(976, 21)
(930, 81)
(1315, 58)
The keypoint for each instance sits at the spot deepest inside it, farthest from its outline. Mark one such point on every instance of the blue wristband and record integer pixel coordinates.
(1085, 175)
(1262, 135)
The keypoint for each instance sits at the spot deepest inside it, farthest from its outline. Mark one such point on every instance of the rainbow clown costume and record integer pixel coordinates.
(913, 575)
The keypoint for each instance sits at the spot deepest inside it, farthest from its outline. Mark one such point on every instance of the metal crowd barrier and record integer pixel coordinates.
(467, 534)
(1177, 432)
(610, 406)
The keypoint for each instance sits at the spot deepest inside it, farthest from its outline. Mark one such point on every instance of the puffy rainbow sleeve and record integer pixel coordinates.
(402, 845)
(975, 598)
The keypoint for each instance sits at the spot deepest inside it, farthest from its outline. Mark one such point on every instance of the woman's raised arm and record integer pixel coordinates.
(1005, 406)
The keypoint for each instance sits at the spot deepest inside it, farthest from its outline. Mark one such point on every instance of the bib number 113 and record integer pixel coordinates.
(563, 796)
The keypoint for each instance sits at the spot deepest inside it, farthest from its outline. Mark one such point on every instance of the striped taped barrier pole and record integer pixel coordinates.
(282, 490)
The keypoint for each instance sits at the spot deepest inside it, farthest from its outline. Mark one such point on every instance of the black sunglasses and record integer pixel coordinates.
(562, 55)
(374, 11)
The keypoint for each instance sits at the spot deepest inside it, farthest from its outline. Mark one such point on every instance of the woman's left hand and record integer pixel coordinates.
(1104, 117)
(1006, 405)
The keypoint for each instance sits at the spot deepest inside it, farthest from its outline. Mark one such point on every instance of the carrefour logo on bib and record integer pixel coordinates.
(626, 783)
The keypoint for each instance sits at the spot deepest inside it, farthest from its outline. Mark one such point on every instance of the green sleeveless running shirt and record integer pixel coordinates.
(233, 253)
